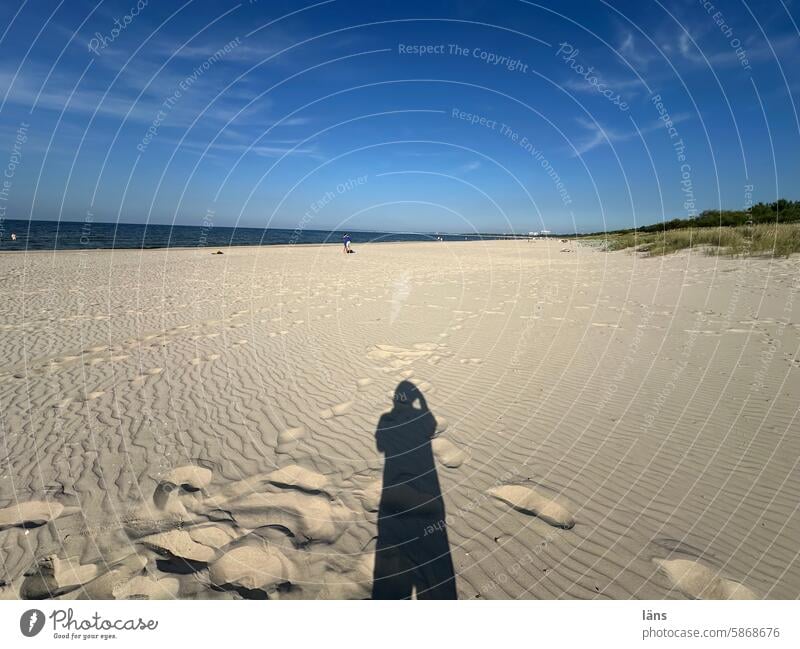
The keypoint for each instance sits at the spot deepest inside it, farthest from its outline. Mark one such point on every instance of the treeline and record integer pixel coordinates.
(781, 211)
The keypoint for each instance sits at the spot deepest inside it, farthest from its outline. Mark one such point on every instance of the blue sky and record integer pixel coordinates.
(514, 116)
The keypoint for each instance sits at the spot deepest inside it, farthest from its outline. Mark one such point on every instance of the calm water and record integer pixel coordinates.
(68, 235)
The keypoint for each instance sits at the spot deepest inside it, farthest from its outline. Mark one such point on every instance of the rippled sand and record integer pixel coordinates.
(182, 424)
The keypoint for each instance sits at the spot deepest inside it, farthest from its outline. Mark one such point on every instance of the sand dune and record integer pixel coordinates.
(177, 424)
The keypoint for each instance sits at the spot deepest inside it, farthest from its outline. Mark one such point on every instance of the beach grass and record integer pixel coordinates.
(770, 240)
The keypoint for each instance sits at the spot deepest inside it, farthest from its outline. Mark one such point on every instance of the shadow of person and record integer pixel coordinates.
(412, 556)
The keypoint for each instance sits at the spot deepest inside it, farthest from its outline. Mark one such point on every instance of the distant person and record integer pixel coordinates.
(13, 236)
(346, 241)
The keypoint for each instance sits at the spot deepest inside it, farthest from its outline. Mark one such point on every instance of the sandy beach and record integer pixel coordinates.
(180, 424)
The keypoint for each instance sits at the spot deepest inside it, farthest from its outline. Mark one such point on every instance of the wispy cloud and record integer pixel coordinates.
(269, 149)
(467, 168)
(596, 135)
(754, 51)
(242, 53)
(624, 87)
(138, 95)
(631, 50)
(703, 42)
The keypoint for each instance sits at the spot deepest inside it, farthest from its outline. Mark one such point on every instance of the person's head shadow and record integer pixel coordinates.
(412, 555)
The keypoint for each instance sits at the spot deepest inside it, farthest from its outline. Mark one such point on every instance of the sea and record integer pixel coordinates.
(71, 235)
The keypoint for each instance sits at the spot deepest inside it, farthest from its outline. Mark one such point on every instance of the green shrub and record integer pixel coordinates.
(768, 239)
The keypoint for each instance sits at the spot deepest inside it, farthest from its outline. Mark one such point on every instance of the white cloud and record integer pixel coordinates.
(598, 135)
(269, 149)
(467, 168)
(624, 87)
(632, 53)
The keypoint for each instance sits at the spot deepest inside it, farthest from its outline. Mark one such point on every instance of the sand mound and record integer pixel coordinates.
(178, 544)
(699, 581)
(214, 535)
(53, 576)
(530, 501)
(306, 517)
(108, 583)
(289, 439)
(251, 567)
(352, 582)
(299, 478)
(448, 453)
(35, 512)
(191, 477)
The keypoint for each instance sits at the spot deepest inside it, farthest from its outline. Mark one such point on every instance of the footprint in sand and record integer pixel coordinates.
(398, 357)
(698, 581)
(529, 501)
(447, 453)
(363, 384)
(147, 588)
